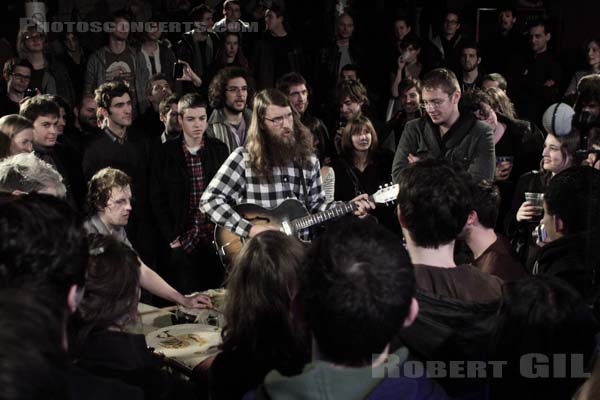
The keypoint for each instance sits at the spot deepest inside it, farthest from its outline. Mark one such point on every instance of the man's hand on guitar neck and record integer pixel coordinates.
(256, 229)
(363, 204)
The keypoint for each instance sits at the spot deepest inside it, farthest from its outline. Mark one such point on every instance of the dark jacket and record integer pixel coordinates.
(574, 259)
(131, 157)
(170, 185)
(125, 357)
(519, 233)
(264, 59)
(186, 51)
(448, 329)
(469, 142)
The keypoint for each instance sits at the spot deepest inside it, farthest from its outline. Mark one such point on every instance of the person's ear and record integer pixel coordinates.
(559, 224)
(472, 218)
(548, 37)
(412, 313)
(400, 217)
(478, 60)
(74, 298)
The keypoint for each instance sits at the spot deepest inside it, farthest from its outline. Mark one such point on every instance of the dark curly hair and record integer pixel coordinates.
(216, 89)
(101, 185)
(42, 245)
(435, 199)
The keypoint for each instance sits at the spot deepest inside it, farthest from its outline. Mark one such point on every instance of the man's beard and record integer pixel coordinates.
(281, 150)
(232, 109)
(85, 124)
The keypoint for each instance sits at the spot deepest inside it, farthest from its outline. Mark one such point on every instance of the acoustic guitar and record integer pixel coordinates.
(291, 216)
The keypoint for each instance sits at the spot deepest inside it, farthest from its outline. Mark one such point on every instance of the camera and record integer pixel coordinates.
(539, 233)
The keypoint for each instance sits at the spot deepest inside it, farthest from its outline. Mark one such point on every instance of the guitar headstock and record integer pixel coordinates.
(386, 194)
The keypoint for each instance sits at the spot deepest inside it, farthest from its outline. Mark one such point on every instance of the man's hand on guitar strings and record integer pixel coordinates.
(363, 205)
(256, 229)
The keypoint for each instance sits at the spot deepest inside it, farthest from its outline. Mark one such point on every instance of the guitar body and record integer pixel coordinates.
(229, 244)
(290, 216)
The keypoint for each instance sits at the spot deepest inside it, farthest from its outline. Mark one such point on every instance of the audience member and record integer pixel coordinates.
(119, 61)
(445, 132)
(262, 331)
(558, 154)
(231, 21)
(199, 46)
(505, 50)
(170, 119)
(17, 74)
(229, 94)
(101, 344)
(109, 206)
(470, 75)
(537, 87)
(542, 321)
(25, 173)
(593, 61)
(447, 44)
(407, 107)
(491, 251)
(494, 80)
(181, 171)
(457, 302)
(362, 167)
(408, 65)
(277, 52)
(570, 227)
(49, 75)
(44, 114)
(19, 131)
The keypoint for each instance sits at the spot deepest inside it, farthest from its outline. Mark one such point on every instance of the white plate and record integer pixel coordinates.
(183, 341)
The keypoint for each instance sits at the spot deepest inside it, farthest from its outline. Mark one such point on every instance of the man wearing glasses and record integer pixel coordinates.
(228, 95)
(443, 132)
(17, 73)
(277, 163)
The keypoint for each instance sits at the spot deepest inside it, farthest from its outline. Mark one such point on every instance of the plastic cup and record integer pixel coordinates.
(536, 200)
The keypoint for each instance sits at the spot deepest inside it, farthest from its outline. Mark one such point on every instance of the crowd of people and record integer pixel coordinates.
(119, 158)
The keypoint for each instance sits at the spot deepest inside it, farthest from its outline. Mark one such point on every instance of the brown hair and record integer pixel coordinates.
(101, 185)
(261, 287)
(500, 102)
(441, 78)
(258, 150)
(355, 127)
(12, 124)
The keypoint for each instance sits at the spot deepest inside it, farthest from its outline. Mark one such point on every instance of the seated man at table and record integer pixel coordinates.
(357, 292)
(109, 199)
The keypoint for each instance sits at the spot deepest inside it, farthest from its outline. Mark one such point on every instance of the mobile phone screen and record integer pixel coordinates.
(178, 70)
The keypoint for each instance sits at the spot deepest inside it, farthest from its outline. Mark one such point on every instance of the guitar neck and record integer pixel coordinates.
(319, 218)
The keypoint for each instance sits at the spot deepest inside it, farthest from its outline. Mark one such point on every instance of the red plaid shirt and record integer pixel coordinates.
(198, 228)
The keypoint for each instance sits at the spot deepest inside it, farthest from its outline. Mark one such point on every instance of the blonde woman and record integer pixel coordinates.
(18, 135)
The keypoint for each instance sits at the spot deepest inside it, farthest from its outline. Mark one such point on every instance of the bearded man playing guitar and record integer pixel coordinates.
(277, 163)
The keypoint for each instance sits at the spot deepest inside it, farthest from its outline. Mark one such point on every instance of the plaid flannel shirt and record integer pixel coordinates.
(198, 228)
(236, 183)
